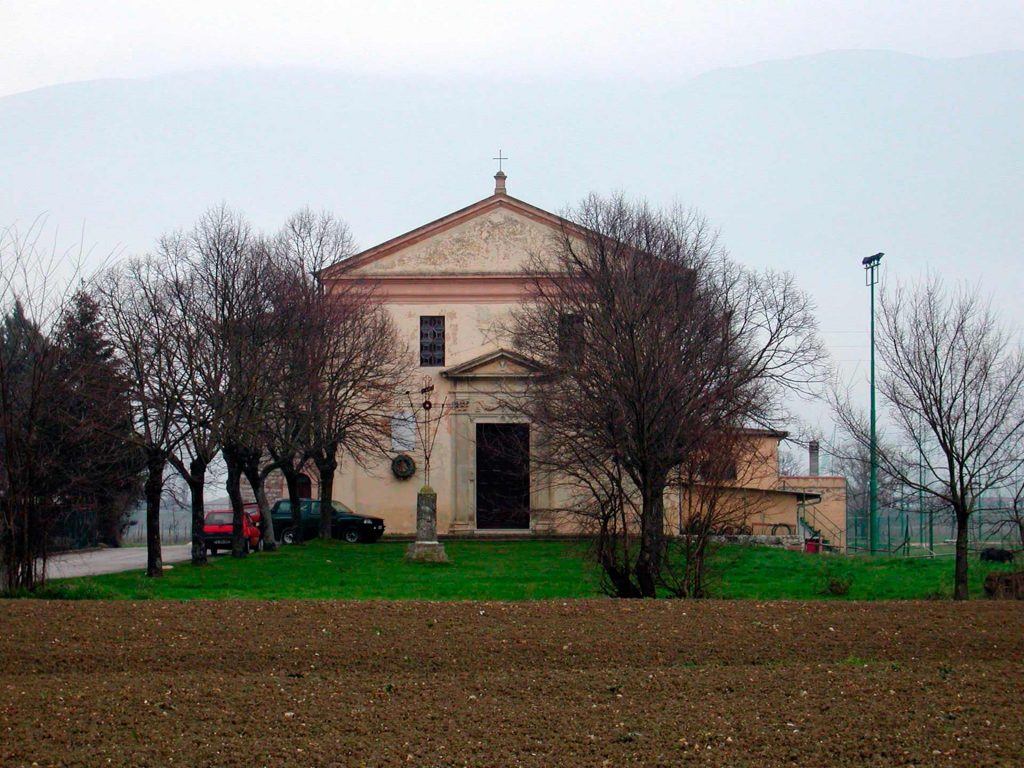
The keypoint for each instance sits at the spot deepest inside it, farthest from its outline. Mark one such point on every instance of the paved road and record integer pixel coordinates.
(110, 560)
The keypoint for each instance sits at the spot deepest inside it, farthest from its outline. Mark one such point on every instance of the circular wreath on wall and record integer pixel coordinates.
(403, 467)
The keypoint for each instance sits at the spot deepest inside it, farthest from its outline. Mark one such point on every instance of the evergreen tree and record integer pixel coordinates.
(28, 487)
(92, 431)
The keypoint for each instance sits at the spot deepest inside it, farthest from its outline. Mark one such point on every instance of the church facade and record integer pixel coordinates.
(448, 285)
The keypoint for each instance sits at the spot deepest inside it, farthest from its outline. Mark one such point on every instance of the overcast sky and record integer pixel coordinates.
(836, 158)
(44, 42)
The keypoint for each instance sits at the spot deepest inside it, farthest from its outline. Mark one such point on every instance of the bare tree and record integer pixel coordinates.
(278, 335)
(952, 379)
(789, 464)
(852, 460)
(306, 244)
(230, 269)
(140, 317)
(297, 294)
(355, 385)
(651, 344)
(203, 365)
(1012, 512)
(346, 361)
(715, 494)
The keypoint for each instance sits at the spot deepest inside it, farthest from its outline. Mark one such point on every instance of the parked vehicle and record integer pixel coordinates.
(219, 524)
(345, 524)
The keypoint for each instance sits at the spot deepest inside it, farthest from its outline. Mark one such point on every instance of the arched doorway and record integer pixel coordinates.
(305, 487)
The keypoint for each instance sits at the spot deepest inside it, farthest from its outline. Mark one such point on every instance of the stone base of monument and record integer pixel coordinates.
(426, 548)
(426, 552)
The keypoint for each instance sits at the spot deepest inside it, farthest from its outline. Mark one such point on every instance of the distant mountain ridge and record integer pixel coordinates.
(806, 164)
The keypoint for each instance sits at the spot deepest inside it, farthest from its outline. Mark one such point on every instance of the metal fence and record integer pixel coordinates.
(907, 532)
(175, 524)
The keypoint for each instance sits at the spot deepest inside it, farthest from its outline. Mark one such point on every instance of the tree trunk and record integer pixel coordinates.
(23, 560)
(256, 482)
(615, 566)
(196, 482)
(617, 575)
(233, 485)
(696, 587)
(960, 569)
(108, 521)
(154, 487)
(326, 465)
(291, 479)
(652, 536)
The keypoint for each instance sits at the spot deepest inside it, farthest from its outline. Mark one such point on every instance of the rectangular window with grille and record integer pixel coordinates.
(431, 340)
(570, 335)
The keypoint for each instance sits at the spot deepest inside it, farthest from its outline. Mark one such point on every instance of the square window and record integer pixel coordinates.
(431, 340)
(570, 335)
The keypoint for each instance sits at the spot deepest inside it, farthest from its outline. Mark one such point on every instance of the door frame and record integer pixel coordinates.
(477, 423)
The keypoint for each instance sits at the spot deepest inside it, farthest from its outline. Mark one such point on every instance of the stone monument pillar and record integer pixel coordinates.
(426, 548)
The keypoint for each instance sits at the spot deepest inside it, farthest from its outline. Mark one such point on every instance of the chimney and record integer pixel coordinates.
(499, 183)
(812, 458)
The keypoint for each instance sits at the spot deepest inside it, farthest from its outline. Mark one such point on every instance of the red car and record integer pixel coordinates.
(218, 527)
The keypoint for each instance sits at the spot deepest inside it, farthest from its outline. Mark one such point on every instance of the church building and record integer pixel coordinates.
(448, 284)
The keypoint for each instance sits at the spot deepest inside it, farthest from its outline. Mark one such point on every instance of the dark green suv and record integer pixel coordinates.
(345, 523)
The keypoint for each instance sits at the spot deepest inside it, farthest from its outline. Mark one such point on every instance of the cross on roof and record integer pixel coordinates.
(499, 158)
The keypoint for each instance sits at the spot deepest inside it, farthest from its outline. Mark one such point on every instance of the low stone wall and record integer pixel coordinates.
(762, 540)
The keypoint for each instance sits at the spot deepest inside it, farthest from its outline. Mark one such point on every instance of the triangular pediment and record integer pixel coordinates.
(499, 364)
(495, 236)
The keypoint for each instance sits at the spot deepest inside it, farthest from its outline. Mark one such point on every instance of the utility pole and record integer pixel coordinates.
(870, 264)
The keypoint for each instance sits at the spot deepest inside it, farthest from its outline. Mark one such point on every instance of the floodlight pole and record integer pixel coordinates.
(871, 280)
(920, 487)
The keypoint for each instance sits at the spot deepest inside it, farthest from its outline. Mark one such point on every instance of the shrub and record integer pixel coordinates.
(835, 583)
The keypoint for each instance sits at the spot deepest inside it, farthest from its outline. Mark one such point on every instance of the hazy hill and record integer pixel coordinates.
(807, 163)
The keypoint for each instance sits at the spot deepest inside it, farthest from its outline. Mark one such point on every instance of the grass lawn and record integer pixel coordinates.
(763, 573)
(334, 570)
(522, 570)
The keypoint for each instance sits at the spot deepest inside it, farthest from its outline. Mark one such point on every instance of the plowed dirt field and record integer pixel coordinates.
(581, 683)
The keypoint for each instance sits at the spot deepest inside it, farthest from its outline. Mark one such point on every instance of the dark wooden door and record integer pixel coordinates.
(502, 476)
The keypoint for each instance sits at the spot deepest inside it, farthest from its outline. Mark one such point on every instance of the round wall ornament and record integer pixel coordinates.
(403, 467)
